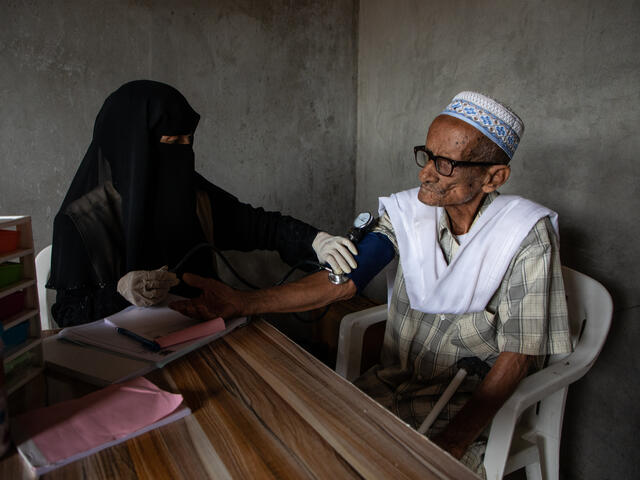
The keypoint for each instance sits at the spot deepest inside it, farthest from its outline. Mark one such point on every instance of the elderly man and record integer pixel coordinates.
(479, 276)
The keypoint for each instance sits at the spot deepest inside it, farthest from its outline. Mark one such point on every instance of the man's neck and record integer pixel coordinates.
(461, 217)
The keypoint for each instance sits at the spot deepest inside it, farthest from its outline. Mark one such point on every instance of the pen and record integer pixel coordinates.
(150, 344)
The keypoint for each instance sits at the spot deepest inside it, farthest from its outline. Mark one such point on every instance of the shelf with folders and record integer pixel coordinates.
(19, 313)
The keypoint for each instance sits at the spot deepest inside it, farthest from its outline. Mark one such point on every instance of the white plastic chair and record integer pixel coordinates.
(43, 267)
(526, 430)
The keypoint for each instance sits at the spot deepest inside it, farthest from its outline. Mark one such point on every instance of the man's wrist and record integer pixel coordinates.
(449, 445)
(252, 302)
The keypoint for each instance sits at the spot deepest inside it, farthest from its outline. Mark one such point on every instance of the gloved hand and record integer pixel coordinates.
(144, 288)
(336, 251)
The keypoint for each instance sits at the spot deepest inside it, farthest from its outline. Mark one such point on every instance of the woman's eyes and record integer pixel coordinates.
(177, 139)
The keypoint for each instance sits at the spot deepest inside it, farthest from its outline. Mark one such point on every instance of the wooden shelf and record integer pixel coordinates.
(32, 346)
(17, 381)
(14, 287)
(19, 317)
(17, 350)
(23, 252)
(14, 221)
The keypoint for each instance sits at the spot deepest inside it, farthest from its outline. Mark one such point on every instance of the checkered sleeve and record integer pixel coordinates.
(385, 227)
(533, 312)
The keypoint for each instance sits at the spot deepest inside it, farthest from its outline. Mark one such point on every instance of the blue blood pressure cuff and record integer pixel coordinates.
(375, 251)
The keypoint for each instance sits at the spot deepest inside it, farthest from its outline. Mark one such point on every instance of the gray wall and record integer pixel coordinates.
(275, 84)
(571, 69)
(273, 81)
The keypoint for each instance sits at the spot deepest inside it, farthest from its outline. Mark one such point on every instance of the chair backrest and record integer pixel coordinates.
(590, 311)
(43, 267)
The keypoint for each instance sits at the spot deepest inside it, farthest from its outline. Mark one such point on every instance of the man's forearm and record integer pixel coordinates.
(220, 300)
(313, 291)
(501, 381)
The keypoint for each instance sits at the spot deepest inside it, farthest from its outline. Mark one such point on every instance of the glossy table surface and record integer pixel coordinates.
(264, 408)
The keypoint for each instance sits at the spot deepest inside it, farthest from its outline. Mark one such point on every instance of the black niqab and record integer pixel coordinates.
(132, 203)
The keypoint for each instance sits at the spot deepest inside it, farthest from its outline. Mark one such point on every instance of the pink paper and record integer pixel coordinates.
(75, 426)
(199, 330)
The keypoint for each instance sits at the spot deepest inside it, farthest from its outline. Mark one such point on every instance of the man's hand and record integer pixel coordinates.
(145, 288)
(338, 252)
(501, 381)
(455, 449)
(217, 300)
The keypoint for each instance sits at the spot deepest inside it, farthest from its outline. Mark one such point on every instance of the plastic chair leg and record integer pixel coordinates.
(499, 444)
(533, 471)
(549, 449)
(549, 432)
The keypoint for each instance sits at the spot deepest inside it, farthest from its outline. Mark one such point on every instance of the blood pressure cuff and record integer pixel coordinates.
(375, 251)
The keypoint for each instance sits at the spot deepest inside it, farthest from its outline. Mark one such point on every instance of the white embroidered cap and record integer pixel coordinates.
(492, 118)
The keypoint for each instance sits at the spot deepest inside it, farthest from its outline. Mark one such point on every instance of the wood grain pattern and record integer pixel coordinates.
(358, 430)
(264, 408)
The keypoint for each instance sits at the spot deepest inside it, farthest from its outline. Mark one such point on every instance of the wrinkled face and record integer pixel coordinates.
(454, 139)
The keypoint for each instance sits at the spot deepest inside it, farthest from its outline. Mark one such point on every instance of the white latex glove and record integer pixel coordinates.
(338, 252)
(144, 288)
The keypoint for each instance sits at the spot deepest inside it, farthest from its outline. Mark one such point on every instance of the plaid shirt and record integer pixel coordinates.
(527, 314)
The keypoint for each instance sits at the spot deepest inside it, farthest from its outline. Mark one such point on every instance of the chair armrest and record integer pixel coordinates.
(352, 330)
(539, 386)
(543, 383)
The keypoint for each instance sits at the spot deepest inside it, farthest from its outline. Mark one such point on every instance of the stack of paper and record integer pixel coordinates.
(53, 436)
(162, 324)
(97, 353)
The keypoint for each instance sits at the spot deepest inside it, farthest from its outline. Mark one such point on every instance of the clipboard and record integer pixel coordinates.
(97, 354)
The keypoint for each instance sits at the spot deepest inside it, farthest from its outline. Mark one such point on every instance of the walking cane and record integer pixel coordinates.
(466, 366)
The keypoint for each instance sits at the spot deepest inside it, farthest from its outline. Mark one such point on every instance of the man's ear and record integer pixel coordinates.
(497, 176)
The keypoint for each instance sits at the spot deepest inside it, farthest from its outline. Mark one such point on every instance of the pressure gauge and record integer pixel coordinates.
(363, 220)
(361, 226)
(363, 223)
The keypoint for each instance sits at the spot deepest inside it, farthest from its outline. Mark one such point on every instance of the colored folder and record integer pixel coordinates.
(50, 437)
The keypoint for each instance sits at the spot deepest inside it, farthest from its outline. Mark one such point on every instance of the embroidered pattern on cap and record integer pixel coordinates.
(494, 120)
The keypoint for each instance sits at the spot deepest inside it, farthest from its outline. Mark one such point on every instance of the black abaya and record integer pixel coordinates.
(132, 206)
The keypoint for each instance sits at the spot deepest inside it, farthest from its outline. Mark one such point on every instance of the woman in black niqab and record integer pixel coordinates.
(133, 205)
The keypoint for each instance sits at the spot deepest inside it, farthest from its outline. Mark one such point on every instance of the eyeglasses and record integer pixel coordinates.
(444, 165)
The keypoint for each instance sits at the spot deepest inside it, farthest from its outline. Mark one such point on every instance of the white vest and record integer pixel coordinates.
(476, 271)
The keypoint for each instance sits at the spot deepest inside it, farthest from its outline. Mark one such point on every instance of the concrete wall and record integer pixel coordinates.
(273, 81)
(571, 70)
(275, 85)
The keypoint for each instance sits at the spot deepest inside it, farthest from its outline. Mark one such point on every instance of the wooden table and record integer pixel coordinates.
(264, 408)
